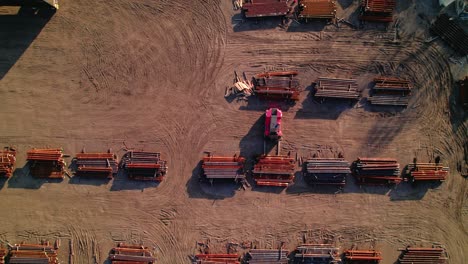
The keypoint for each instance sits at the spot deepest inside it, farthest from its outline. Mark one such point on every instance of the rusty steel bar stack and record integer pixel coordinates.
(451, 32)
(328, 171)
(272, 256)
(317, 9)
(265, 8)
(377, 10)
(223, 167)
(432, 255)
(7, 162)
(390, 91)
(362, 257)
(46, 163)
(33, 253)
(377, 171)
(131, 254)
(274, 171)
(337, 88)
(427, 172)
(147, 166)
(277, 85)
(317, 253)
(216, 259)
(3, 253)
(96, 165)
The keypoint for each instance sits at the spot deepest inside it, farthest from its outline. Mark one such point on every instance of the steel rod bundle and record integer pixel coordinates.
(377, 10)
(131, 254)
(265, 8)
(46, 163)
(337, 88)
(223, 167)
(147, 166)
(427, 172)
(33, 253)
(317, 254)
(217, 259)
(329, 171)
(362, 257)
(277, 85)
(377, 171)
(272, 256)
(274, 171)
(96, 164)
(317, 9)
(7, 162)
(434, 255)
(452, 33)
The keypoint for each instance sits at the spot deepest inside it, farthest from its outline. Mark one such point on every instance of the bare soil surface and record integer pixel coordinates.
(151, 75)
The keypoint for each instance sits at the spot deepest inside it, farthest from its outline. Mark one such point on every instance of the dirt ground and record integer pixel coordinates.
(151, 75)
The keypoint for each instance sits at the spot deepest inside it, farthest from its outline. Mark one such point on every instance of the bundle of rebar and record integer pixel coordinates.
(274, 171)
(42, 253)
(7, 162)
(272, 256)
(427, 172)
(317, 9)
(377, 171)
(413, 255)
(223, 167)
(377, 10)
(140, 165)
(328, 171)
(46, 163)
(96, 164)
(390, 91)
(216, 259)
(337, 88)
(452, 32)
(277, 85)
(265, 8)
(131, 254)
(317, 253)
(362, 256)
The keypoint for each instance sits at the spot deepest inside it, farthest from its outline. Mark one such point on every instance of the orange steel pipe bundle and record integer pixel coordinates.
(46, 163)
(362, 256)
(7, 162)
(377, 10)
(376, 171)
(33, 253)
(274, 171)
(96, 164)
(223, 167)
(277, 85)
(427, 172)
(265, 8)
(141, 165)
(217, 258)
(3, 253)
(317, 9)
(131, 254)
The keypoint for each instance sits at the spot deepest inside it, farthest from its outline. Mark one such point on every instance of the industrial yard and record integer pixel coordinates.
(125, 104)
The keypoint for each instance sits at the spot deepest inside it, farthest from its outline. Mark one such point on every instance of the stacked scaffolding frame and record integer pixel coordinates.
(103, 165)
(427, 172)
(327, 171)
(46, 163)
(391, 91)
(337, 88)
(217, 167)
(377, 10)
(354, 256)
(317, 253)
(274, 171)
(317, 9)
(145, 166)
(42, 253)
(277, 85)
(265, 8)
(131, 254)
(7, 162)
(377, 171)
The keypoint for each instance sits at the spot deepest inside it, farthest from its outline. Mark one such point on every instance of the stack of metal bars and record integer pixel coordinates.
(147, 166)
(390, 91)
(3, 253)
(377, 171)
(223, 167)
(46, 163)
(33, 253)
(97, 164)
(377, 10)
(427, 172)
(317, 254)
(451, 32)
(328, 171)
(7, 162)
(362, 256)
(434, 255)
(272, 256)
(317, 9)
(337, 88)
(265, 8)
(131, 254)
(274, 171)
(216, 259)
(278, 85)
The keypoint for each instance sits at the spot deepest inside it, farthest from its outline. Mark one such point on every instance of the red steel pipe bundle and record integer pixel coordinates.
(46, 163)
(427, 172)
(422, 256)
(337, 88)
(131, 254)
(147, 166)
(362, 256)
(96, 164)
(274, 171)
(223, 167)
(377, 10)
(317, 9)
(328, 171)
(7, 162)
(265, 8)
(33, 253)
(217, 259)
(277, 85)
(272, 256)
(377, 171)
(390, 91)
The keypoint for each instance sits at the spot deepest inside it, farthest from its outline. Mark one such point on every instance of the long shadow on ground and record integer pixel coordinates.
(22, 179)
